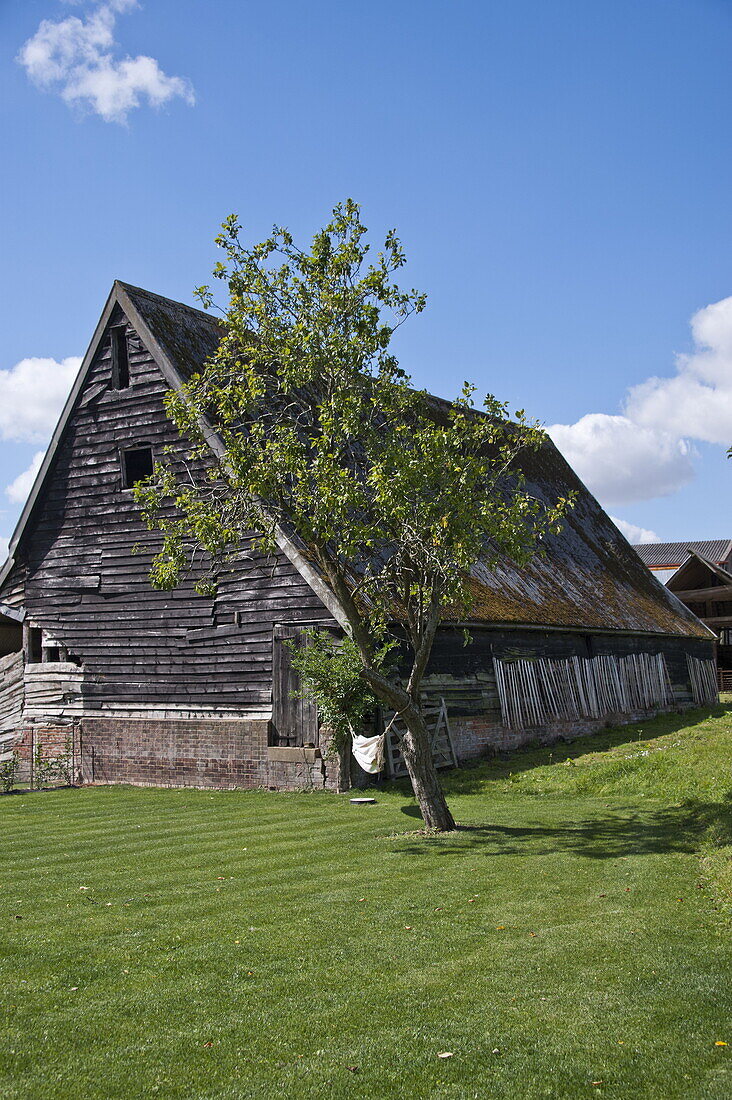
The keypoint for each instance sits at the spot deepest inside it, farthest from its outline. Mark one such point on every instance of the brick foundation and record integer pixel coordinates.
(230, 753)
(198, 753)
(477, 737)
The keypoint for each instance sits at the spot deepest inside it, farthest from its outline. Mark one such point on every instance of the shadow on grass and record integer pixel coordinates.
(472, 780)
(620, 832)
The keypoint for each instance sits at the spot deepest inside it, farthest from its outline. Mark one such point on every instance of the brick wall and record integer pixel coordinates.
(478, 737)
(198, 753)
(51, 739)
(302, 769)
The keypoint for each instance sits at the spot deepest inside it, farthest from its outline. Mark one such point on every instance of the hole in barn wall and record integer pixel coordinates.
(11, 637)
(35, 645)
(137, 464)
(120, 358)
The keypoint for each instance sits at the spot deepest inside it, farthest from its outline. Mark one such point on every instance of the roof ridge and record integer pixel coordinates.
(164, 298)
(564, 591)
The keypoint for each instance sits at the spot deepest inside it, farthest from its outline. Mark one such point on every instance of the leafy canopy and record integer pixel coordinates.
(392, 494)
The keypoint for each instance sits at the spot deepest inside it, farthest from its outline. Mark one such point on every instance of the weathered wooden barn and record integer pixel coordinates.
(174, 688)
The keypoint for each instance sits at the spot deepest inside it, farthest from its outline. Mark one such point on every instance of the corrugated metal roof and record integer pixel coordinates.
(669, 554)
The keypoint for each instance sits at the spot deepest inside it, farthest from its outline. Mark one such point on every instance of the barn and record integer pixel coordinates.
(173, 688)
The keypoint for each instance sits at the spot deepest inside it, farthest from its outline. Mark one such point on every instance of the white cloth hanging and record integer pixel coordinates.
(369, 752)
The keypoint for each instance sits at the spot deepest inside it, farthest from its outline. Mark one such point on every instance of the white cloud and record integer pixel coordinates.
(32, 394)
(633, 533)
(18, 490)
(647, 451)
(621, 462)
(74, 57)
(697, 401)
(4, 547)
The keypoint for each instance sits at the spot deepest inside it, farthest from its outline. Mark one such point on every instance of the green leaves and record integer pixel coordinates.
(330, 670)
(392, 494)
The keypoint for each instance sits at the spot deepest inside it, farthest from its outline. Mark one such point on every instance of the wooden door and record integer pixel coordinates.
(294, 714)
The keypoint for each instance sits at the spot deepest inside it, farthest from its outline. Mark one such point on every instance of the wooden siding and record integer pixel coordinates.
(83, 566)
(11, 690)
(294, 713)
(464, 674)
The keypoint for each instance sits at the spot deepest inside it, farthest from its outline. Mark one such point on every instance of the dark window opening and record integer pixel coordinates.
(51, 653)
(137, 464)
(120, 359)
(11, 638)
(35, 645)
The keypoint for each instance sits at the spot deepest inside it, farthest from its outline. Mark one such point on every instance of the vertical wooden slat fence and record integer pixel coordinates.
(703, 676)
(532, 692)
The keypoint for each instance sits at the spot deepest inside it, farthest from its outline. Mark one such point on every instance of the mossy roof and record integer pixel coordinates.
(586, 577)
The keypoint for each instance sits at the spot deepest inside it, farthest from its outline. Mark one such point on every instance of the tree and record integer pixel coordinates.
(390, 494)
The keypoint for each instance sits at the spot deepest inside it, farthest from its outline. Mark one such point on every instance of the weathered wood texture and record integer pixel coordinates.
(83, 563)
(294, 714)
(464, 674)
(82, 569)
(11, 690)
(52, 692)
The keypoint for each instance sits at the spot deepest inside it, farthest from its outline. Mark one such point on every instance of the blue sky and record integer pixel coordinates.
(559, 173)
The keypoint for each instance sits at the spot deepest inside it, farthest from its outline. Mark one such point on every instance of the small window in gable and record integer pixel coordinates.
(137, 464)
(120, 358)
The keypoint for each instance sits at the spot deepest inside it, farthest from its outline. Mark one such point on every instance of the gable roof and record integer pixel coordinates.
(723, 574)
(666, 555)
(588, 577)
(187, 337)
(180, 339)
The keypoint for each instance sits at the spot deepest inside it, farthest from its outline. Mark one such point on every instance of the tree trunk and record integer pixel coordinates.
(417, 753)
(416, 748)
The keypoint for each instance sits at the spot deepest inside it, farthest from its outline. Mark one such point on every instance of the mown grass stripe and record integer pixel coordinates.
(572, 930)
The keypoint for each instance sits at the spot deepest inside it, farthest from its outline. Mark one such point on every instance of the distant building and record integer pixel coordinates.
(700, 575)
(664, 558)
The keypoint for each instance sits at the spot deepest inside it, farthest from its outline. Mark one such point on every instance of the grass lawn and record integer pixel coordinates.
(572, 940)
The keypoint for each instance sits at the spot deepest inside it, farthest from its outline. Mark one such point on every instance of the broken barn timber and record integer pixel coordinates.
(11, 690)
(704, 684)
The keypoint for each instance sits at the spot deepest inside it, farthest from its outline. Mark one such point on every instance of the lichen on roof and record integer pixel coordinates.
(586, 577)
(188, 336)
